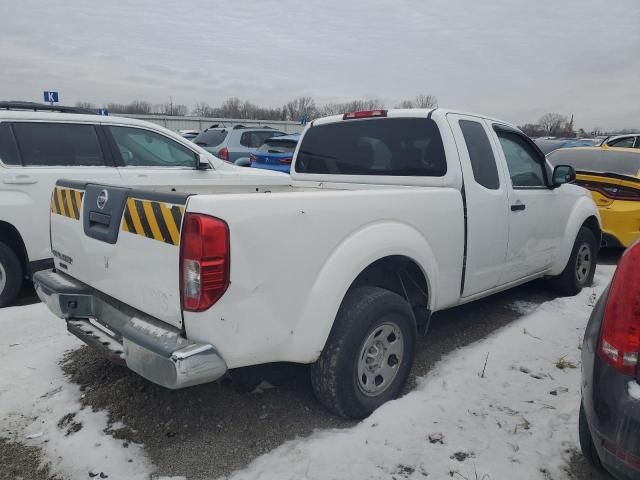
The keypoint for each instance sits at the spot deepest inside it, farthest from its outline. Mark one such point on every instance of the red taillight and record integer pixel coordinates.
(223, 153)
(253, 158)
(364, 114)
(286, 161)
(620, 335)
(204, 260)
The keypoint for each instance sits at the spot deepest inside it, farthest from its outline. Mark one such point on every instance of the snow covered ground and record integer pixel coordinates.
(504, 407)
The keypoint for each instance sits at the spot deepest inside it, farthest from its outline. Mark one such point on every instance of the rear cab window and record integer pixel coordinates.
(388, 146)
(483, 162)
(58, 144)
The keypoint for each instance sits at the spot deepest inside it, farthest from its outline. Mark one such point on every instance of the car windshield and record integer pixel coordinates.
(389, 146)
(278, 146)
(598, 160)
(210, 138)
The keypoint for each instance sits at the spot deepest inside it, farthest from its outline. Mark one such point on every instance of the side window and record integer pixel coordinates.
(525, 167)
(8, 148)
(483, 163)
(143, 148)
(58, 144)
(626, 142)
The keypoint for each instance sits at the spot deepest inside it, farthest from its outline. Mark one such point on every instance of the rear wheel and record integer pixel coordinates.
(11, 275)
(586, 441)
(368, 356)
(581, 266)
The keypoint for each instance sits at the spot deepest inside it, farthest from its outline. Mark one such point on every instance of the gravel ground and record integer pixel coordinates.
(211, 430)
(21, 461)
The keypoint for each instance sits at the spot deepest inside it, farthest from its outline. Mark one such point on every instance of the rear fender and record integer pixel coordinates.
(353, 255)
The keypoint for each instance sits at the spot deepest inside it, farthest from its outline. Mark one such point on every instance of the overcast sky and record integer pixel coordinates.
(512, 59)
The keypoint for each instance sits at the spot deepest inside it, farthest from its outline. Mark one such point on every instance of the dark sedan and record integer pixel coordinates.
(609, 424)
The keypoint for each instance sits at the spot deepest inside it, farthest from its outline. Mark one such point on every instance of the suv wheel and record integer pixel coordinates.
(368, 355)
(11, 275)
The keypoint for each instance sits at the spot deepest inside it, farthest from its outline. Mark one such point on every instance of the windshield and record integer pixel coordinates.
(210, 138)
(598, 160)
(389, 146)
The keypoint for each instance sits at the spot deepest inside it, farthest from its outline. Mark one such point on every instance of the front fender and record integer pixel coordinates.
(582, 210)
(353, 255)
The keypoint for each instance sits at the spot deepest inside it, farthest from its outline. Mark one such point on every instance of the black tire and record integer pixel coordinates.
(570, 282)
(586, 441)
(11, 270)
(365, 313)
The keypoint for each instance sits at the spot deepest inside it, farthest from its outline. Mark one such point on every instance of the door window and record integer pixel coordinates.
(483, 163)
(143, 148)
(58, 144)
(8, 149)
(526, 168)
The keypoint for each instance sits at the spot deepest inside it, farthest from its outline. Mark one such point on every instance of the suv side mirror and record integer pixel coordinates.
(563, 174)
(202, 162)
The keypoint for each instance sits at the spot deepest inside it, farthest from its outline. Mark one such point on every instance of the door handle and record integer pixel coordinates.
(517, 207)
(20, 180)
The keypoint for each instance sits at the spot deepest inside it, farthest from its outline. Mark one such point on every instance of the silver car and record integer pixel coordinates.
(234, 144)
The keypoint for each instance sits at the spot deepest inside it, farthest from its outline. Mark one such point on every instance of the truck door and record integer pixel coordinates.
(538, 214)
(486, 195)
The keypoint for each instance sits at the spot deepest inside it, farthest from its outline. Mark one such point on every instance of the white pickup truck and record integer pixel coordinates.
(390, 216)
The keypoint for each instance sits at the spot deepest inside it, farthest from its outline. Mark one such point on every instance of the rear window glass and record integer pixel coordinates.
(58, 144)
(598, 160)
(278, 146)
(389, 146)
(255, 139)
(8, 150)
(210, 138)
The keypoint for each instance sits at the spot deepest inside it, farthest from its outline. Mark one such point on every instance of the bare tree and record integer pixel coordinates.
(352, 106)
(553, 123)
(202, 109)
(171, 109)
(86, 105)
(420, 101)
(301, 108)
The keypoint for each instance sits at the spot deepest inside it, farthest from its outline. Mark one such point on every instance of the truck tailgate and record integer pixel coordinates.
(121, 241)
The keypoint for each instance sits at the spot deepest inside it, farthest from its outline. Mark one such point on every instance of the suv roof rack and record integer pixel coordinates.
(13, 105)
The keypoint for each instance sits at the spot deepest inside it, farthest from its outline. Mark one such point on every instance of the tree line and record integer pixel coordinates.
(557, 125)
(298, 109)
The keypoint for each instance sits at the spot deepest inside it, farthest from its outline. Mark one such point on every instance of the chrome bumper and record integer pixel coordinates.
(149, 347)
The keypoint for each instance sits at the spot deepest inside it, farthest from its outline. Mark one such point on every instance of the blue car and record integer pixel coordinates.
(276, 153)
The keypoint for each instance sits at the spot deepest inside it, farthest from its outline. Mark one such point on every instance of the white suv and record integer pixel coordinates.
(39, 147)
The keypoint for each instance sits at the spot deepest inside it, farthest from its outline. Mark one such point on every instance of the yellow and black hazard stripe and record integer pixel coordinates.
(156, 220)
(67, 202)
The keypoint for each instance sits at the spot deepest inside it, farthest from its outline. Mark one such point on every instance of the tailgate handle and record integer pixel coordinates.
(99, 219)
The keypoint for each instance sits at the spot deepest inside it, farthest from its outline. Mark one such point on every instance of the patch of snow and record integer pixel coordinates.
(522, 307)
(508, 424)
(35, 396)
(633, 389)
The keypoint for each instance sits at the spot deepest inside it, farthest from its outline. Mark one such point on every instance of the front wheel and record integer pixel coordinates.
(581, 266)
(368, 356)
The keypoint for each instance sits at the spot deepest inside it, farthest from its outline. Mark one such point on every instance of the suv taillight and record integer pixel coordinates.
(204, 261)
(620, 335)
(253, 158)
(223, 153)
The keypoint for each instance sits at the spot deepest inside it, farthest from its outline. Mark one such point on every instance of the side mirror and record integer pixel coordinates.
(563, 174)
(202, 162)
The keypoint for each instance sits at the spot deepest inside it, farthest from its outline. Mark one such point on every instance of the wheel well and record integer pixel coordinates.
(10, 236)
(401, 275)
(592, 224)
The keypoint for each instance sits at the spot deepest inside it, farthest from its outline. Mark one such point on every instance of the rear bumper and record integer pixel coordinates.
(149, 347)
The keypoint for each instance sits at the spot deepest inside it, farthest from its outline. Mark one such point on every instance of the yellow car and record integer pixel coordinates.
(613, 176)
